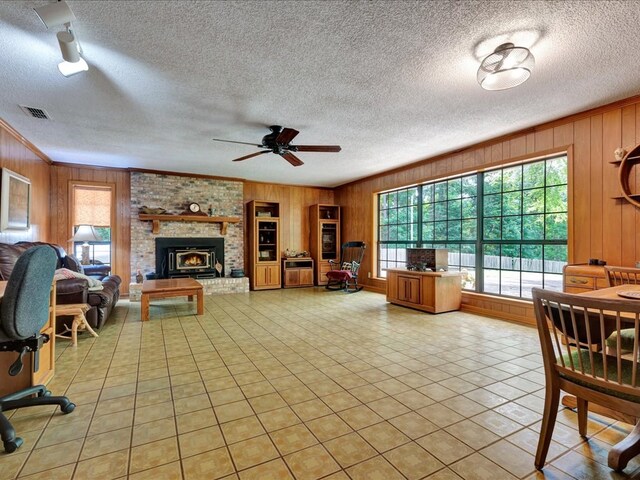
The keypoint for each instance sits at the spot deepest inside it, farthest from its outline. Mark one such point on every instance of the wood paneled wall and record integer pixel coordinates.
(61, 227)
(600, 226)
(18, 155)
(294, 210)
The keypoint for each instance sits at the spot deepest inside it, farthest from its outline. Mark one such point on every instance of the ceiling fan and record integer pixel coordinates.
(279, 142)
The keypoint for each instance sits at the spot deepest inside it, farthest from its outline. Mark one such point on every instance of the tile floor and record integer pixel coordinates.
(303, 384)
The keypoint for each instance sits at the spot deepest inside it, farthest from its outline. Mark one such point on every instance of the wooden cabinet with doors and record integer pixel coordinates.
(432, 292)
(297, 272)
(325, 239)
(263, 219)
(582, 278)
(408, 289)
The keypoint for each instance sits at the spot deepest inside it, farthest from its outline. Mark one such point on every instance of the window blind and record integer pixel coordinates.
(92, 205)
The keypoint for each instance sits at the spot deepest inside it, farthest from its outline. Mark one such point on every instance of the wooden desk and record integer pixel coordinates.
(167, 288)
(28, 377)
(432, 292)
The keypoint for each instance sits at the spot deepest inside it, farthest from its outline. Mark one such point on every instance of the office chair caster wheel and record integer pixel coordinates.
(68, 408)
(11, 447)
(46, 393)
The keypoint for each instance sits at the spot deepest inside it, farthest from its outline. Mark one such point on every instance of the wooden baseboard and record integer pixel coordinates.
(370, 288)
(486, 312)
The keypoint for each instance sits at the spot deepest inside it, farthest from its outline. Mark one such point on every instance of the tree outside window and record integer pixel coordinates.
(506, 229)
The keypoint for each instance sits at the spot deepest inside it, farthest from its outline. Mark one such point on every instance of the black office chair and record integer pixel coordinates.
(23, 312)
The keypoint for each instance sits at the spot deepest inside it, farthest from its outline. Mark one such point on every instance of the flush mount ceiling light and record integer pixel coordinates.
(59, 13)
(507, 67)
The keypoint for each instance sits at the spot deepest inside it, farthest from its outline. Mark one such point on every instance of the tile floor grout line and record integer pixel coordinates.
(263, 327)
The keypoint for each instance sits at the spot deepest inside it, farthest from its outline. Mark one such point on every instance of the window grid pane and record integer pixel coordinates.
(521, 233)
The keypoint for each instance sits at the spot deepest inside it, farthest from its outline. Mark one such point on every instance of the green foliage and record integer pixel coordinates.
(520, 203)
(454, 209)
(104, 233)
(454, 189)
(512, 179)
(492, 205)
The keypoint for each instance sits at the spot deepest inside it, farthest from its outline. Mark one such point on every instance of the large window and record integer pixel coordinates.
(505, 229)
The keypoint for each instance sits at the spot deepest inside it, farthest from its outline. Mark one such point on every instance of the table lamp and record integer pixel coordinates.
(86, 234)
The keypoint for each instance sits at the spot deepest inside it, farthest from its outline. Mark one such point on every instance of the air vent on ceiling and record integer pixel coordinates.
(35, 112)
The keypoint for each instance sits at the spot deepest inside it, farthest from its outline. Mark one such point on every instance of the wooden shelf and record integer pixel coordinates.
(626, 176)
(622, 197)
(156, 219)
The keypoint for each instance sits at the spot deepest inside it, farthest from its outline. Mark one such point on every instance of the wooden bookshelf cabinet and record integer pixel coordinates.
(325, 239)
(263, 220)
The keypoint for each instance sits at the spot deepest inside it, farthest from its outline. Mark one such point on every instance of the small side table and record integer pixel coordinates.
(77, 311)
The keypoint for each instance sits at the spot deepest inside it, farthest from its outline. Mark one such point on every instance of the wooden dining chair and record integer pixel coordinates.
(621, 276)
(571, 327)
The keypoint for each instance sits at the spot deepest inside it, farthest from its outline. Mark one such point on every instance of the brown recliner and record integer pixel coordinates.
(73, 290)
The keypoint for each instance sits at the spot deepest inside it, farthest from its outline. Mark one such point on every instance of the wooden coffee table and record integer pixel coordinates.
(167, 288)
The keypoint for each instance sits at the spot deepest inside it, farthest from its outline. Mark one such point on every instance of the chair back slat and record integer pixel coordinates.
(573, 330)
(603, 336)
(622, 276)
(635, 351)
(618, 348)
(558, 344)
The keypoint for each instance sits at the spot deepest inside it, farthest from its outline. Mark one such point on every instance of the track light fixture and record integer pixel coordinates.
(59, 13)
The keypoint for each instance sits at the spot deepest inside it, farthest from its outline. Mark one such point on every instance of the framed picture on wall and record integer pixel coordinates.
(15, 201)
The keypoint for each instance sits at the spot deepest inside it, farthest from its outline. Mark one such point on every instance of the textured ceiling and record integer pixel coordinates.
(391, 82)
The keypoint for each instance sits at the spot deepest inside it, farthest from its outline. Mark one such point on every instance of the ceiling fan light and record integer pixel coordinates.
(71, 68)
(507, 67)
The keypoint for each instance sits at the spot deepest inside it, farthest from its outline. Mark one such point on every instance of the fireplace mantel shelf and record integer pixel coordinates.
(156, 219)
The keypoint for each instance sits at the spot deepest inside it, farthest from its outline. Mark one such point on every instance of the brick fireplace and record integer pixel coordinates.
(174, 193)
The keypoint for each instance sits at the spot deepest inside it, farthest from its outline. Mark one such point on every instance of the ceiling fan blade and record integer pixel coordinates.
(315, 148)
(292, 159)
(232, 141)
(246, 157)
(286, 135)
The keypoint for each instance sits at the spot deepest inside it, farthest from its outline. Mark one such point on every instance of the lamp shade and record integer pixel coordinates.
(85, 233)
(507, 67)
